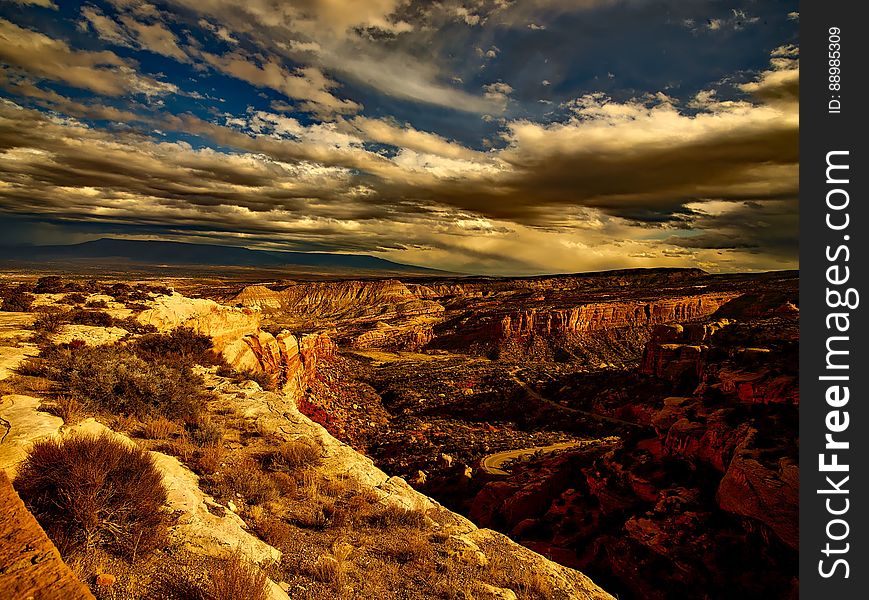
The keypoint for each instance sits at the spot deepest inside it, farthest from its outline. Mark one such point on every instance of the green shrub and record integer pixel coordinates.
(89, 491)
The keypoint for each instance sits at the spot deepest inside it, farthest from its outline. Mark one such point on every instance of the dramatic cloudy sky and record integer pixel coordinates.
(491, 136)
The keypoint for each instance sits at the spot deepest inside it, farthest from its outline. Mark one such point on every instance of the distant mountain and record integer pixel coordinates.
(159, 253)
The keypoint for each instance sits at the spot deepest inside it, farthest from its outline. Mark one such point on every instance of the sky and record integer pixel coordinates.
(481, 136)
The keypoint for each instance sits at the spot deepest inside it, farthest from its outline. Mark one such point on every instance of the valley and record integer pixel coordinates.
(638, 426)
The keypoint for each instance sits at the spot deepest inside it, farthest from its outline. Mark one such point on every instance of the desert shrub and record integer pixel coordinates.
(16, 299)
(208, 459)
(247, 479)
(49, 322)
(205, 432)
(73, 298)
(97, 303)
(51, 284)
(233, 578)
(293, 456)
(180, 345)
(160, 428)
(392, 515)
(96, 318)
(111, 378)
(89, 491)
(230, 578)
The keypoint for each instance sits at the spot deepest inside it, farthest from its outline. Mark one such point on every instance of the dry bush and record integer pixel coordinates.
(230, 578)
(406, 548)
(293, 456)
(181, 345)
(246, 478)
(391, 515)
(96, 318)
(333, 567)
(160, 428)
(181, 448)
(208, 459)
(205, 432)
(90, 491)
(16, 299)
(50, 284)
(233, 578)
(73, 298)
(67, 408)
(49, 322)
(287, 486)
(275, 532)
(318, 515)
(97, 303)
(127, 424)
(111, 378)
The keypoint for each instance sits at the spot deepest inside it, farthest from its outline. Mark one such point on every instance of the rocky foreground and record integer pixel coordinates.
(481, 562)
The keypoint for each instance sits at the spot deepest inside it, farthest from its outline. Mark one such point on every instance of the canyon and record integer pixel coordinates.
(636, 426)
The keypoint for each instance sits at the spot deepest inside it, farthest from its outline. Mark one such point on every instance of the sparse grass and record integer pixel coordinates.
(160, 428)
(234, 578)
(246, 478)
(68, 408)
(391, 515)
(293, 456)
(89, 491)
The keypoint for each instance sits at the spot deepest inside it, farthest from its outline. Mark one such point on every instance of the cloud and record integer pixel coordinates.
(43, 3)
(307, 84)
(102, 72)
(385, 132)
(360, 41)
(129, 32)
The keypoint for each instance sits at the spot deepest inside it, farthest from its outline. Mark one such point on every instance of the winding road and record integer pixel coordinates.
(492, 463)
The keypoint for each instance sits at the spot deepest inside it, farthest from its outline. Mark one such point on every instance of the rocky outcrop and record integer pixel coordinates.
(611, 315)
(30, 565)
(361, 301)
(223, 324)
(676, 351)
(21, 422)
(763, 491)
(238, 338)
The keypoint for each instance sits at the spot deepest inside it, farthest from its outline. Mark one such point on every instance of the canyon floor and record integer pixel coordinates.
(638, 427)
